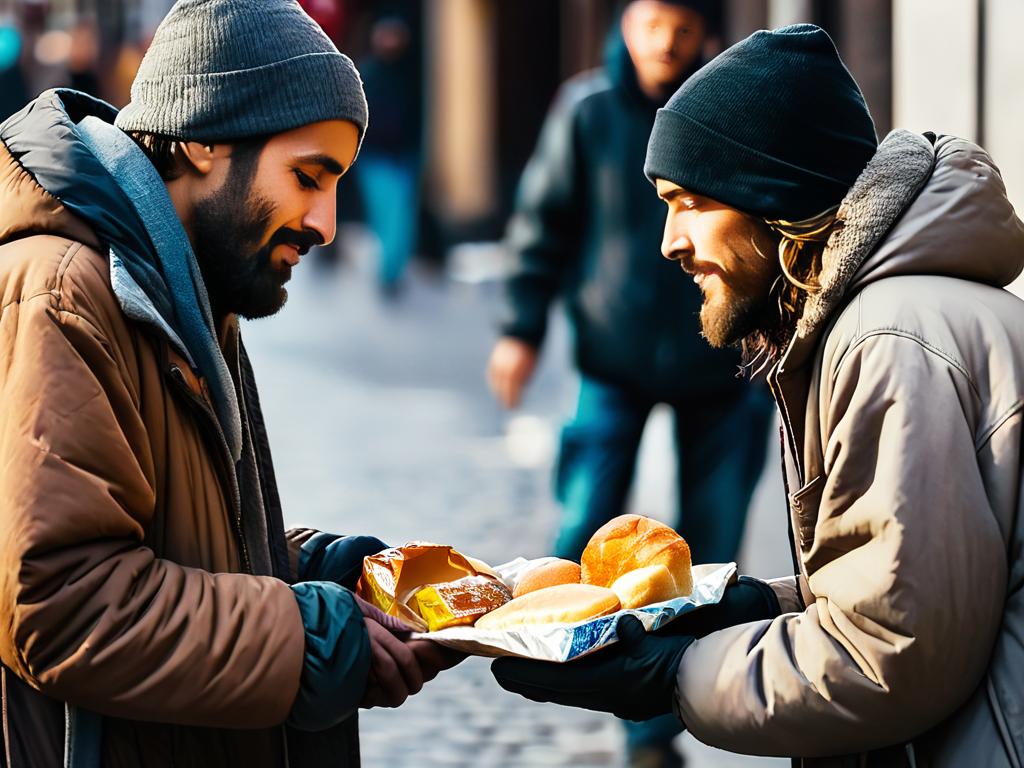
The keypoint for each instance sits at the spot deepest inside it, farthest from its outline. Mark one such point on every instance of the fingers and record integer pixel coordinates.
(434, 658)
(392, 623)
(630, 630)
(394, 667)
(511, 365)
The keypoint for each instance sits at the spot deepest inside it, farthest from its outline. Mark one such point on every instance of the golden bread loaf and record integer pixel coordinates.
(629, 542)
(561, 604)
(645, 586)
(549, 574)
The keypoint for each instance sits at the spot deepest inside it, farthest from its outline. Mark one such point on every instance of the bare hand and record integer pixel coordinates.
(434, 657)
(510, 368)
(395, 672)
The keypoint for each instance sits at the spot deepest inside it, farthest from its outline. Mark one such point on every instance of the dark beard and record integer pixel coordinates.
(226, 237)
(237, 272)
(726, 326)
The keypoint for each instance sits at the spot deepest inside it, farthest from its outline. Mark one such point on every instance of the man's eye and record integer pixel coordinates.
(305, 181)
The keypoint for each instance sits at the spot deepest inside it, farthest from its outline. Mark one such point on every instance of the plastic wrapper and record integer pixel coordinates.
(564, 642)
(391, 578)
(460, 602)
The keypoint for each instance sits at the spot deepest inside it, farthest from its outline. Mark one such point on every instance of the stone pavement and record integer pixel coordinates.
(381, 423)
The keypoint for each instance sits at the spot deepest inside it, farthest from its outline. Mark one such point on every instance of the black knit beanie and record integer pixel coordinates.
(774, 126)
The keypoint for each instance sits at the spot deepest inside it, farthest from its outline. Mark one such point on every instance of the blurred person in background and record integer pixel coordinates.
(155, 610)
(389, 169)
(586, 229)
(871, 278)
(13, 89)
(83, 57)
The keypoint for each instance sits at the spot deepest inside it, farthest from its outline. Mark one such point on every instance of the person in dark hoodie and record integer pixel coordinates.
(587, 230)
(155, 611)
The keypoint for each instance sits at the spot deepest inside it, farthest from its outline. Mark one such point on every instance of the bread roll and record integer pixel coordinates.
(632, 541)
(644, 586)
(548, 574)
(564, 603)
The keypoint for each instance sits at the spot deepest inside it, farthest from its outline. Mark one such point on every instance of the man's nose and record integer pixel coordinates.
(675, 244)
(322, 217)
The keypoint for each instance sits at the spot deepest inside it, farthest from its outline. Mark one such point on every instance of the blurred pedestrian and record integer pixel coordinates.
(389, 169)
(586, 229)
(83, 57)
(13, 88)
(870, 277)
(155, 611)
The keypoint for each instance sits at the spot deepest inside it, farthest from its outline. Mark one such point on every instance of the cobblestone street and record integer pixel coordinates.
(381, 423)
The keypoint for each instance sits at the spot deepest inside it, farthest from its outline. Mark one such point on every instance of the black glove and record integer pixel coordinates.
(746, 600)
(634, 679)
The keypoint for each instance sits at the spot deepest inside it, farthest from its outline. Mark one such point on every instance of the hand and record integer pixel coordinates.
(510, 367)
(399, 666)
(746, 600)
(434, 657)
(395, 672)
(634, 679)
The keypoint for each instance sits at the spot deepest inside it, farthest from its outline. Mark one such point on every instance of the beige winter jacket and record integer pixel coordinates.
(902, 399)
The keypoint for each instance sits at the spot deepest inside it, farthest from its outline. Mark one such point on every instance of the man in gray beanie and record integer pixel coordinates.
(868, 279)
(155, 611)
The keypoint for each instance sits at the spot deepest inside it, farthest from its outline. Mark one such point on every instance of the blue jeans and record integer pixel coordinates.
(389, 184)
(720, 451)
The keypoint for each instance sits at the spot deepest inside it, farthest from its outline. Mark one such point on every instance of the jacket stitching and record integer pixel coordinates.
(1008, 414)
(65, 261)
(913, 337)
(73, 247)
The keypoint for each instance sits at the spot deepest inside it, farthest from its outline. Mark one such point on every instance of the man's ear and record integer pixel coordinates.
(199, 156)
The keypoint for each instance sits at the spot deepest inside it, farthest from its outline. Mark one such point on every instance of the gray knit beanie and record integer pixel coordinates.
(219, 70)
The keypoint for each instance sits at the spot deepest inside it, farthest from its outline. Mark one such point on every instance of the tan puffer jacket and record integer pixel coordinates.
(122, 575)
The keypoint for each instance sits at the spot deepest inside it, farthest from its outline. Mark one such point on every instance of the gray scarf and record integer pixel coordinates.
(170, 293)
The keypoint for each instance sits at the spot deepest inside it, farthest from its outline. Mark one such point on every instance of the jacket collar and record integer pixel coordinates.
(887, 185)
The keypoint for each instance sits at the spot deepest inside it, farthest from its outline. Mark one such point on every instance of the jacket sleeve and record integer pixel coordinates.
(89, 615)
(544, 232)
(319, 556)
(907, 567)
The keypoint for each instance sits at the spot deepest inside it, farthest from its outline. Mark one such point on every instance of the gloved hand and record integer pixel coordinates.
(330, 557)
(634, 679)
(746, 600)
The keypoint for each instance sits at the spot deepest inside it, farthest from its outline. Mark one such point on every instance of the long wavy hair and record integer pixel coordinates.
(800, 250)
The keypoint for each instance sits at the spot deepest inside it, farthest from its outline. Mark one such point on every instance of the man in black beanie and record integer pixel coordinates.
(869, 282)
(586, 230)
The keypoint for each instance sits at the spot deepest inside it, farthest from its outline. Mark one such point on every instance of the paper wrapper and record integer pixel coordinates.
(564, 642)
(391, 578)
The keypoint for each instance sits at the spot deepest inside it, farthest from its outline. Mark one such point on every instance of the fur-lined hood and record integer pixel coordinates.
(924, 204)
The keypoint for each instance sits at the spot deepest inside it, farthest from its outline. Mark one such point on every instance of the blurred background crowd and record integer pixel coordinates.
(373, 377)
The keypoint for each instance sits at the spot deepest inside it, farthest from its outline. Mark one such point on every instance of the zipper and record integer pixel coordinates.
(223, 459)
(797, 570)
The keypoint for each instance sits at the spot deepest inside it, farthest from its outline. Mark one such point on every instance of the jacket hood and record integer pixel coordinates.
(55, 185)
(924, 205)
(82, 166)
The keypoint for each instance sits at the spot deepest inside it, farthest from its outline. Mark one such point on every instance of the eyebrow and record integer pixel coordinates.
(328, 162)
